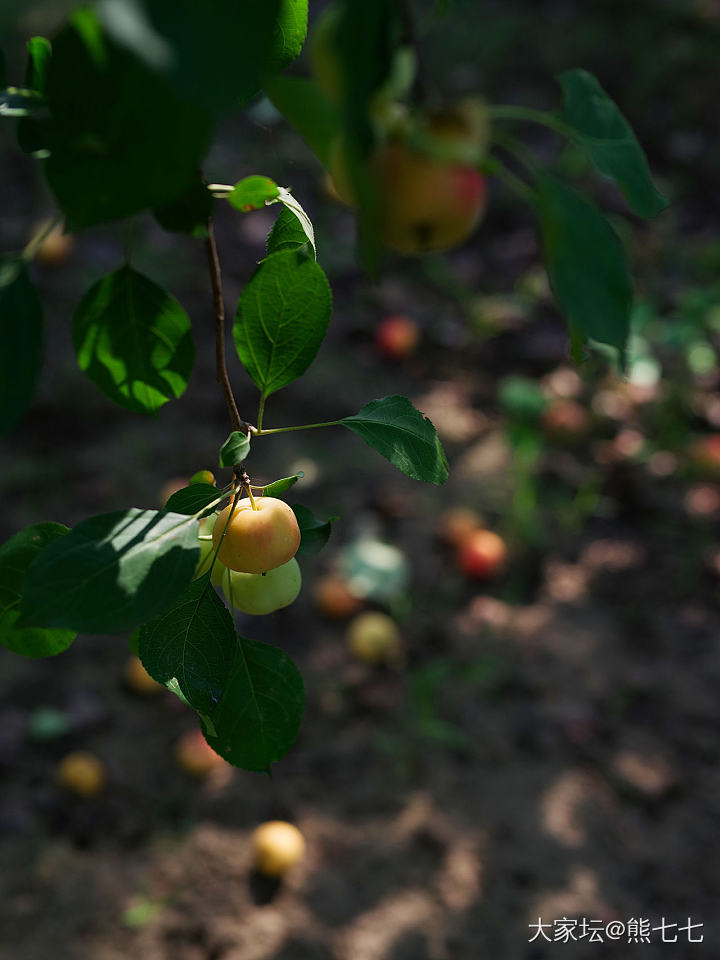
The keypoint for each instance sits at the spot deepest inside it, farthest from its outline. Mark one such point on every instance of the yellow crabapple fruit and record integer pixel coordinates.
(263, 593)
(81, 773)
(373, 637)
(276, 846)
(258, 538)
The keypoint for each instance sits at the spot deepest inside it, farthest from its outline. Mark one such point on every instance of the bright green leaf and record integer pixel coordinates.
(286, 233)
(39, 53)
(194, 643)
(601, 128)
(133, 339)
(290, 203)
(112, 572)
(253, 193)
(235, 449)
(260, 711)
(314, 533)
(586, 264)
(16, 556)
(406, 438)
(280, 486)
(282, 318)
(21, 335)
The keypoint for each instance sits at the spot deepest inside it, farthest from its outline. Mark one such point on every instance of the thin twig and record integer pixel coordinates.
(219, 307)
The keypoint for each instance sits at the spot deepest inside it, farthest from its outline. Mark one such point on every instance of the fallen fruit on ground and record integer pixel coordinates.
(334, 598)
(482, 555)
(263, 593)
(373, 637)
(276, 846)
(195, 755)
(396, 337)
(566, 420)
(81, 773)
(138, 679)
(258, 538)
(457, 524)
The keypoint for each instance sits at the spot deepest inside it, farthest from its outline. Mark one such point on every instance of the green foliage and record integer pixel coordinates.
(134, 340)
(21, 335)
(586, 264)
(16, 556)
(398, 431)
(314, 533)
(600, 127)
(192, 499)
(235, 449)
(286, 233)
(303, 104)
(189, 212)
(282, 318)
(280, 486)
(112, 572)
(33, 134)
(253, 193)
(261, 707)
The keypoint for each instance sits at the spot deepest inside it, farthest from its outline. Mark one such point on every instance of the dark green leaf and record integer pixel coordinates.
(303, 105)
(16, 556)
(314, 533)
(280, 486)
(586, 264)
(406, 438)
(112, 572)
(39, 53)
(19, 102)
(193, 642)
(261, 709)
(235, 449)
(134, 641)
(189, 212)
(21, 335)
(121, 139)
(134, 340)
(192, 499)
(3, 70)
(282, 318)
(601, 128)
(253, 193)
(286, 233)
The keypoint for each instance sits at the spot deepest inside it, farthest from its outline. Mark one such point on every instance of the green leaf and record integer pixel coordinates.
(406, 438)
(121, 139)
(314, 533)
(586, 264)
(134, 340)
(282, 318)
(306, 108)
(261, 709)
(219, 51)
(194, 643)
(280, 486)
(192, 499)
(39, 53)
(21, 335)
(286, 233)
(112, 572)
(253, 193)
(290, 203)
(16, 556)
(235, 449)
(189, 212)
(603, 131)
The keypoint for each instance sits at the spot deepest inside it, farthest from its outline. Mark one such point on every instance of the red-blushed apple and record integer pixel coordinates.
(373, 637)
(276, 847)
(482, 555)
(396, 337)
(334, 598)
(258, 538)
(195, 756)
(81, 773)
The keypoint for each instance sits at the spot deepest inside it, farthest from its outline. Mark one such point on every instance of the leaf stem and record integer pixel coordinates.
(261, 411)
(221, 373)
(304, 426)
(497, 168)
(543, 117)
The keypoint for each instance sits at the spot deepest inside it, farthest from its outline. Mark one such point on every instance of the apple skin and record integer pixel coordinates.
(457, 524)
(259, 539)
(81, 773)
(195, 756)
(276, 846)
(705, 456)
(373, 637)
(396, 337)
(426, 204)
(482, 555)
(262, 593)
(334, 598)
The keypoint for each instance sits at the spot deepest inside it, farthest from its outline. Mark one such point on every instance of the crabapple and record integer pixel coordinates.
(373, 637)
(195, 756)
(482, 555)
(138, 679)
(276, 846)
(334, 598)
(81, 773)
(55, 248)
(396, 336)
(457, 524)
(566, 420)
(259, 536)
(261, 593)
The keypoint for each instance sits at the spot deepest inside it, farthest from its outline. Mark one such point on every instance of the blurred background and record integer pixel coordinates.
(540, 739)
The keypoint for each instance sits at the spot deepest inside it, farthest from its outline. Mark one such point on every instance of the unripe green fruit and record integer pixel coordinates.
(262, 593)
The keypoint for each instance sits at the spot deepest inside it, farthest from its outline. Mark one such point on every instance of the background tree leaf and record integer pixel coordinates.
(586, 264)
(16, 556)
(21, 335)
(260, 711)
(134, 340)
(603, 131)
(33, 135)
(406, 438)
(305, 107)
(282, 318)
(314, 533)
(193, 642)
(189, 212)
(112, 572)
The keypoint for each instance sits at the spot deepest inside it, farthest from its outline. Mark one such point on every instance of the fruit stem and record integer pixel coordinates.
(252, 498)
(304, 426)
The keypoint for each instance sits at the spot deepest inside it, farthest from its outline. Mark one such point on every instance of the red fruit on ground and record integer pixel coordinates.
(482, 555)
(396, 337)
